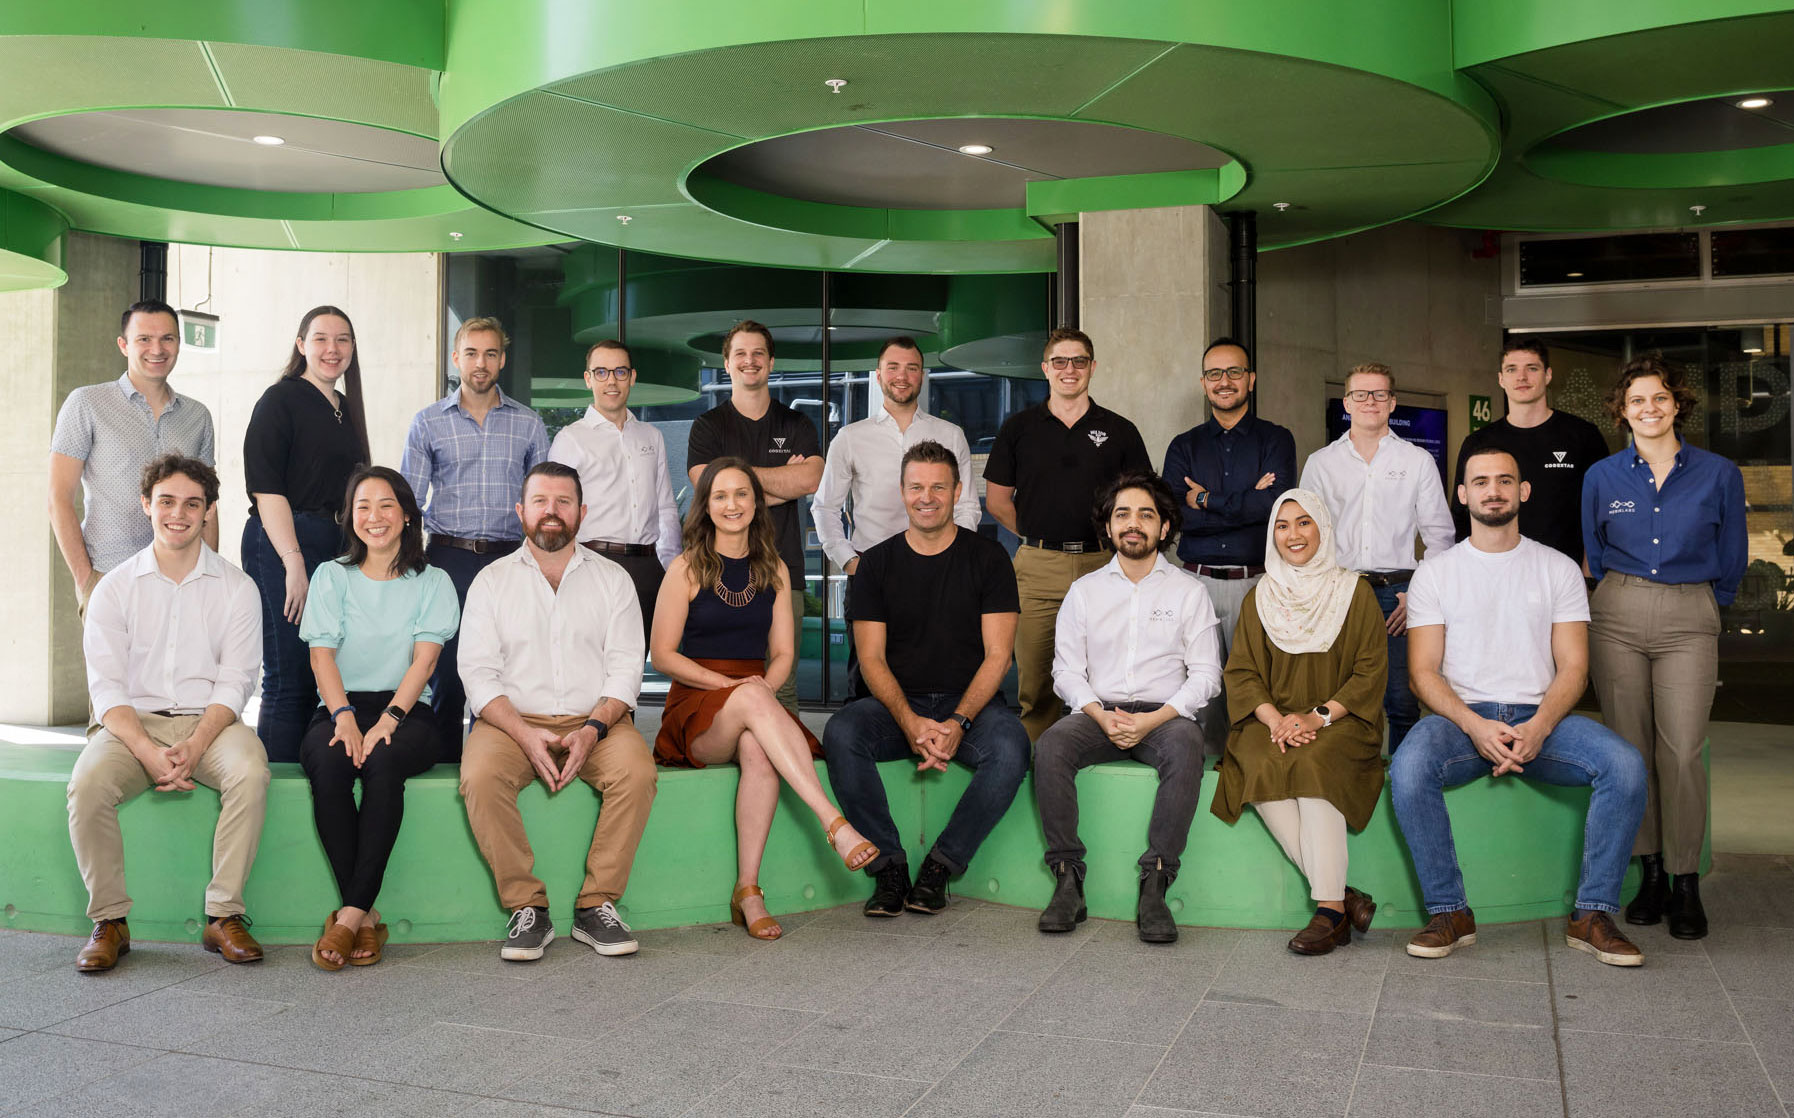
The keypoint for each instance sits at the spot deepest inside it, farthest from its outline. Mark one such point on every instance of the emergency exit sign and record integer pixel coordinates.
(199, 330)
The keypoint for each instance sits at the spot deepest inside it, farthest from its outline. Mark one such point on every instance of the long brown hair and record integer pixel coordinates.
(351, 380)
(702, 563)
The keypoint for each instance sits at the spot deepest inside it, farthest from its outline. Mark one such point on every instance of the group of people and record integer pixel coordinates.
(1284, 634)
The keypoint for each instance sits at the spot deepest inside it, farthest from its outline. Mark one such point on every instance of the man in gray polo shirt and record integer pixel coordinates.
(105, 435)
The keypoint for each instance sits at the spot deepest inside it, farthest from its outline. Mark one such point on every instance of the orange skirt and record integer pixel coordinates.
(690, 711)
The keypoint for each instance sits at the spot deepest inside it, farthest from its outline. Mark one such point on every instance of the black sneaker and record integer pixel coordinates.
(889, 886)
(929, 893)
(528, 936)
(601, 929)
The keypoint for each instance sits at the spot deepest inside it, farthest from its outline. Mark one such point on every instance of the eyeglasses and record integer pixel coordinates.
(601, 373)
(1233, 373)
(1359, 395)
(1064, 363)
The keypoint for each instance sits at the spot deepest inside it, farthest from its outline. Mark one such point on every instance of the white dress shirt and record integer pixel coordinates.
(623, 474)
(864, 463)
(552, 653)
(1152, 641)
(1379, 505)
(155, 644)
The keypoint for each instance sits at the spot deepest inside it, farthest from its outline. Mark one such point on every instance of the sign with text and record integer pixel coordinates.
(1425, 427)
(1482, 412)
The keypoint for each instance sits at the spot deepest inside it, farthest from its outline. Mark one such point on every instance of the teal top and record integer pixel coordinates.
(372, 624)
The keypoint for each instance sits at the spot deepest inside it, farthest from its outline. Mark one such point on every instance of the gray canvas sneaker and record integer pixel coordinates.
(529, 935)
(603, 930)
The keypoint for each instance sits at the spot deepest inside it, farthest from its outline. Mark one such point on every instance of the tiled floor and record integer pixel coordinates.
(969, 1013)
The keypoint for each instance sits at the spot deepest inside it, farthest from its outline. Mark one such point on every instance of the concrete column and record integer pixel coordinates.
(1153, 291)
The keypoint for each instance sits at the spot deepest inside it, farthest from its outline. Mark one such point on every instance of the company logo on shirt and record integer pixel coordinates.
(1396, 475)
(646, 448)
(1617, 507)
(1099, 437)
(1164, 613)
(1560, 464)
(778, 443)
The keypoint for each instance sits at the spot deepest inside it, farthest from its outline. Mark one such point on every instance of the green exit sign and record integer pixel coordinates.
(199, 330)
(1482, 412)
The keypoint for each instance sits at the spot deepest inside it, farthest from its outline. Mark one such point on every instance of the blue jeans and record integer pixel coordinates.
(1579, 752)
(289, 693)
(448, 699)
(1399, 702)
(863, 733)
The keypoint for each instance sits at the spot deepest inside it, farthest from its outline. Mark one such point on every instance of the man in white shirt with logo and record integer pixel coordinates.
(1136, 656)
(622, 462)
(1382, 491)
(174, 643)
(551, 655)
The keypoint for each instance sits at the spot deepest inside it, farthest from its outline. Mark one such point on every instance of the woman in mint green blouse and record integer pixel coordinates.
(375, 620)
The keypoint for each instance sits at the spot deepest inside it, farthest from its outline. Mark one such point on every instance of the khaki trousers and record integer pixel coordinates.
(1042, 577)
(107, 774)
(1654, 659)
(494, 769)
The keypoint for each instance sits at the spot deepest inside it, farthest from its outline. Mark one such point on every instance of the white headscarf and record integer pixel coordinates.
(1303, 608)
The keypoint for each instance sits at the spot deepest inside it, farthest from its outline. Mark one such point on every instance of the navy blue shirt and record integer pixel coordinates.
(1691, 530)
(1230, 532)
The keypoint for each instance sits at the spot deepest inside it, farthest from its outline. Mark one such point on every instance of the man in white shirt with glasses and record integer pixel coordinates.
(1382, 491)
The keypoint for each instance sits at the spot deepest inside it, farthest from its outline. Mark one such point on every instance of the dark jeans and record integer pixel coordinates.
(289, 693)
(1399, 702)
(1076, 741)
(358, 841)
(863, 733)
(448, 699)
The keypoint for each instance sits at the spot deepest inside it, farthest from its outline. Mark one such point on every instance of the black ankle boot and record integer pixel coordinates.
(1653, 892)
(1153, 917)
(1066, 910)
(1687, 919)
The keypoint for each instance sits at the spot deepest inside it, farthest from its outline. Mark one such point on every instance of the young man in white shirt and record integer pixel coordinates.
(1382, 491)
(174, 644)
(1136, 656)
(622, 462)
(1499, 633)
(551, 655)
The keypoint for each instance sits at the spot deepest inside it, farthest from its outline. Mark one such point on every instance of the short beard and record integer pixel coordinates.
(1145, 548)
(1495, 520)
(551, 539)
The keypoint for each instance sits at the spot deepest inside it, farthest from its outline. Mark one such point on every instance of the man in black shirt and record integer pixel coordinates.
(776, 440)
(1041, 480)
(1554, 449)
(934, 619)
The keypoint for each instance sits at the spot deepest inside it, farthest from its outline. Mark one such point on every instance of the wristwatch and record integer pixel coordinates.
(965, 724)
(1326, 716)
(398, 713)
(598, 726)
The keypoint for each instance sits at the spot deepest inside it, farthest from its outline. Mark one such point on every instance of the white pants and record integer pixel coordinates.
(1313, 833)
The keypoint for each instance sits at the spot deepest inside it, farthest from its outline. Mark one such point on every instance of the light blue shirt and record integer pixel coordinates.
(373, 624)
(467, 476)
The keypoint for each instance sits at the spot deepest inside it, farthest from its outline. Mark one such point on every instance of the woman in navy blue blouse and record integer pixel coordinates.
(1663, 525)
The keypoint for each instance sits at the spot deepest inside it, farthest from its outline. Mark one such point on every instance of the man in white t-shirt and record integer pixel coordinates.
(1498, 648)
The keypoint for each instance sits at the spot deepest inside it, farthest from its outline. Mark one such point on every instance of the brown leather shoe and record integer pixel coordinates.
(1322, 935)
(110, 939)
(1597, 935)
(1359, 909)
(229, 936)
(1444, 934)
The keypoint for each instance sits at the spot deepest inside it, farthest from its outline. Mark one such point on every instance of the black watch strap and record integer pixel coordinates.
(965, 724)
(598, 726)
(398, 713)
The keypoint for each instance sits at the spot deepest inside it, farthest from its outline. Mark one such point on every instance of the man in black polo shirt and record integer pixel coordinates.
(1554, 450)
(1041, 481)
(776, 440)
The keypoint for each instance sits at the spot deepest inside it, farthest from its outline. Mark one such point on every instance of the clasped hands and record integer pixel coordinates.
(933, 741)
(171, 769)
(1506, 747)
(1125, 729)
(357, 745)
(1290, 730)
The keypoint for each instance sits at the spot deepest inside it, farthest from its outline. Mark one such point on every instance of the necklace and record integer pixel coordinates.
(735, 598)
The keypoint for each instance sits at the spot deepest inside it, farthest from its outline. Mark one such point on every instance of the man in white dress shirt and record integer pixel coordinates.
(622, 463)
(1136, 655)
(864, 460)
(551, 656)
(174, 644)
(1382, 491)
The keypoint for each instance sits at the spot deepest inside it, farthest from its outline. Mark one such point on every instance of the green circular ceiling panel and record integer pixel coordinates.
(30, 244)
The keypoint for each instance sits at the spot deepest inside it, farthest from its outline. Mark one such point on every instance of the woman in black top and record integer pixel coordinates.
(305, 437)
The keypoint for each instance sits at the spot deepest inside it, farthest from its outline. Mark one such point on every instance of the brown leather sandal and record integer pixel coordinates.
(857, 857)
(371, 940)
(337, 938)
(765, 927)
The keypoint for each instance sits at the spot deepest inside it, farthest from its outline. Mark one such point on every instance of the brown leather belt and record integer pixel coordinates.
(607, 547)
(1073, 547)
(1223, 572)
(1388, 578)
(478, 547)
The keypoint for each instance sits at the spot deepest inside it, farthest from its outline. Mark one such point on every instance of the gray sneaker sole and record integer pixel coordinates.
(1420, 952)
(526, 954)
(627, 947)
(1610, 958)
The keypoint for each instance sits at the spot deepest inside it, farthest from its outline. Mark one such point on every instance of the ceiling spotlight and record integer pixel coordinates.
(1572, 275)
(1755, 103)
(455, 236)
(1697, 210)
(625, 218)
(1280, 206)
(974, 149)
(268, 141)
(835, 84)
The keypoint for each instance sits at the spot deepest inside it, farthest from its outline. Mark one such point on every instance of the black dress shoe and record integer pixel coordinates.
(1066, 910)
(889, 886)
(1687, 919)
(1153, 917)
(1653, 892)
(929, 893)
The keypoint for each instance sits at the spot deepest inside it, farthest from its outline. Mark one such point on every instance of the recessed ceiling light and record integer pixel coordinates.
(1572, 275)
(268, 141)
(1755, 103)
(456, 236)
(974, 149)
(624, 219)
(835, 84)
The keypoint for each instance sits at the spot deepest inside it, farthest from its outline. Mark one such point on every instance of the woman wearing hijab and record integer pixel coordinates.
(1304, 687)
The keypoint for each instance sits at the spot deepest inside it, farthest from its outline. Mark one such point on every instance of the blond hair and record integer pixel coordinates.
(484, 322)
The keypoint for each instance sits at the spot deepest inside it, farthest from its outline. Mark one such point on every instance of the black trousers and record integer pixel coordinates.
(359, 840)
(449, 698)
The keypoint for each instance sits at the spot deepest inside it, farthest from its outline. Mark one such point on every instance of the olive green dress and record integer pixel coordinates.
(1344, 763)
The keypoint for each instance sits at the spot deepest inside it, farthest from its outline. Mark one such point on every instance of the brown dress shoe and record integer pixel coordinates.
(229, 936)
(110, 939)
(1322, 935)
(1596, 934)
(1444, 934)
(1359, 909)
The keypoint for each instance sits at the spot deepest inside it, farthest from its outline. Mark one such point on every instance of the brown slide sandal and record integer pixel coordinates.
(336, 938)
(369, 939)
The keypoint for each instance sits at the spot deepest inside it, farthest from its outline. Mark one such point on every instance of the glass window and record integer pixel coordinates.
(1753, 252)
(1633, 257)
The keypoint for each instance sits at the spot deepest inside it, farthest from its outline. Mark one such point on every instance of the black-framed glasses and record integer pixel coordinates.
(601, 373)
(1233, 372)
(1064, 363)
(1359, 395)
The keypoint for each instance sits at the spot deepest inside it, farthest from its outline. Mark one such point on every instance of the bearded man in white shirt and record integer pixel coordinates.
(1382, 491)
(1136, 655)
(173, 643)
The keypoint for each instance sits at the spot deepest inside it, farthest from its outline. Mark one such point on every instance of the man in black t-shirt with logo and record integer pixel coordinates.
(1554, 449)
(776, 440)
(934, 615)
